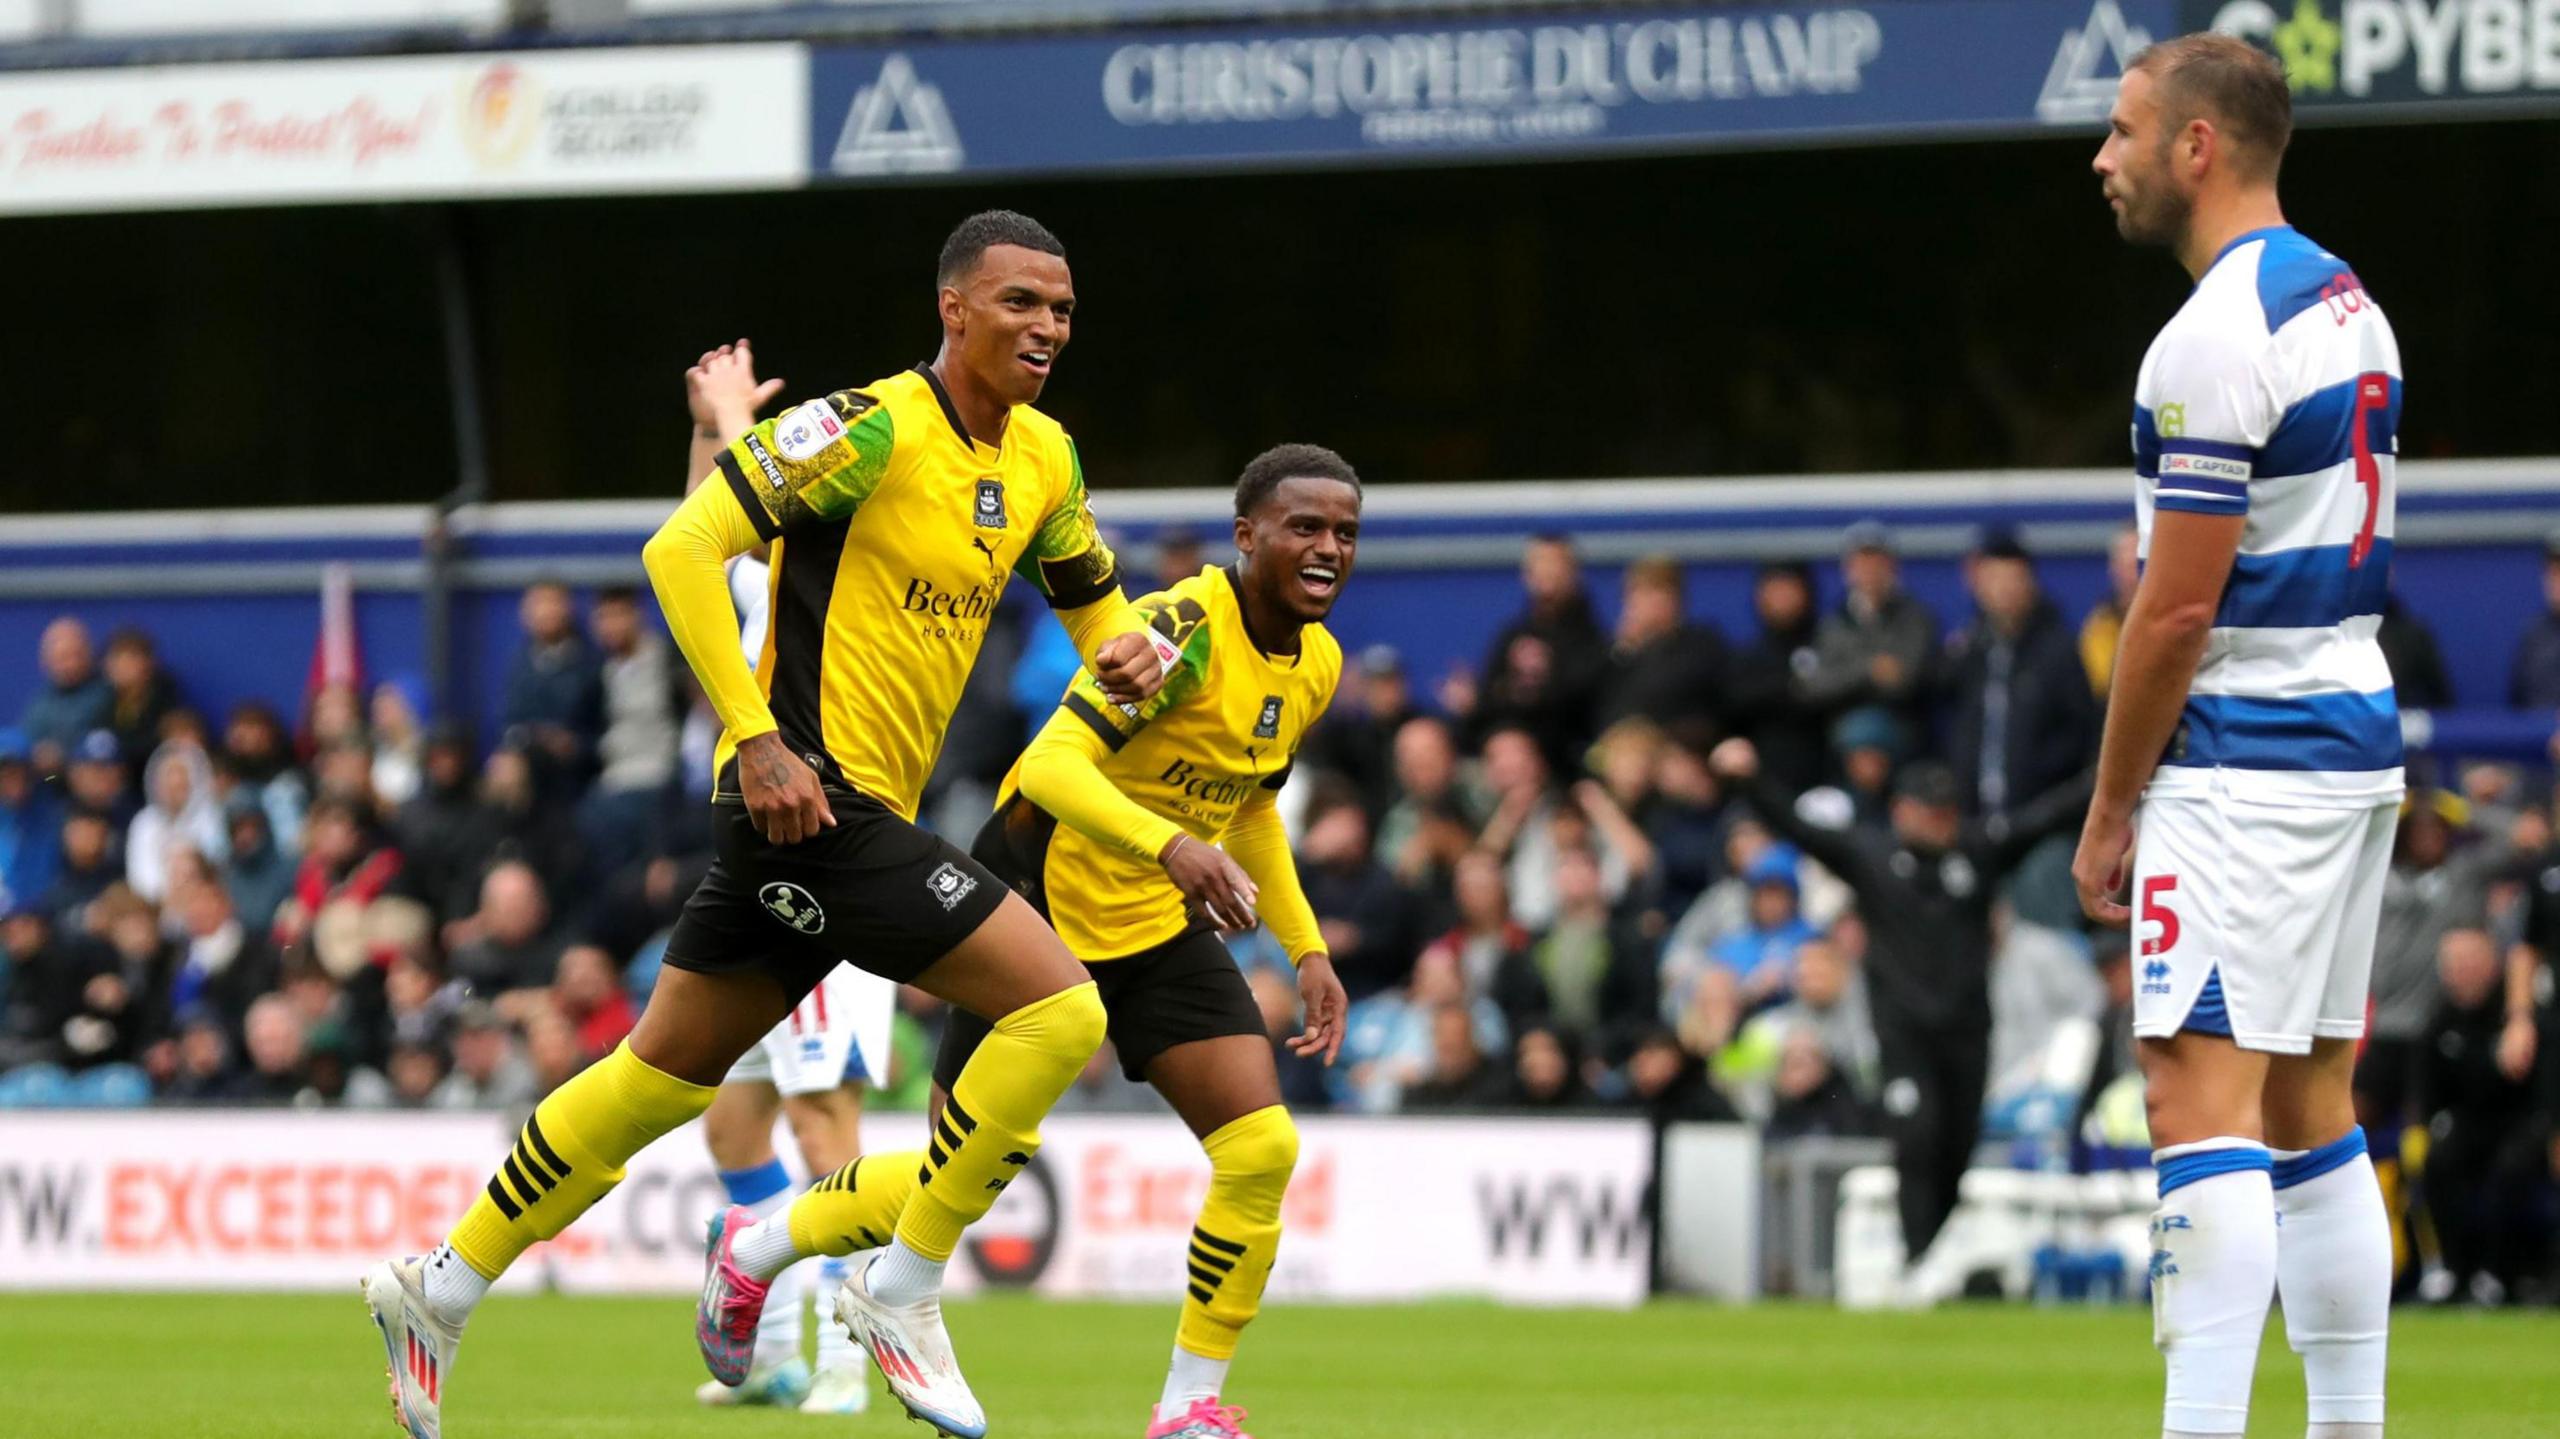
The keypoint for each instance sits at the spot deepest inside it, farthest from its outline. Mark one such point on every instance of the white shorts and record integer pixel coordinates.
(2256, 920)
(839, 1034)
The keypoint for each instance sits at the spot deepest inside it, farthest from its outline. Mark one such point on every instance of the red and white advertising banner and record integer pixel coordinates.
(425, 127)
(1521, 1210)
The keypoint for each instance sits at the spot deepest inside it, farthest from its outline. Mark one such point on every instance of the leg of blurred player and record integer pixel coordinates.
(2333, 1240)
(2213, 1238)
(738, 1130)
(827, 1126)
(1228, 1092)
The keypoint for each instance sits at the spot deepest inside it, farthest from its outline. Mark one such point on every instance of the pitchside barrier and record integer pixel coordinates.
(1518, 1210)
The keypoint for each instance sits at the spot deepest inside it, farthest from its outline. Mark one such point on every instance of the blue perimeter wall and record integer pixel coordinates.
(232, 596)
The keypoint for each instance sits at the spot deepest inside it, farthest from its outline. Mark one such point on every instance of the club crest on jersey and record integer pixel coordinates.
(951, 884)
(793, 906)
(1268, 726)
(991, 503)
(801, 434)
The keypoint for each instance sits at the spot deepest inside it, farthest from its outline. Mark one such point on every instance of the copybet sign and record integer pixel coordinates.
(551, 123)
(2368, 52)
(1525, 1211)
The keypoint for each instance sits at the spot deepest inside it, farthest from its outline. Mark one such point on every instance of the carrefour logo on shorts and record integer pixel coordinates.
(793, 906)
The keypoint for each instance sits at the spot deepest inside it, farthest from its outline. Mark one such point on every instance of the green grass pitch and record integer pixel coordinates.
(164, 1366)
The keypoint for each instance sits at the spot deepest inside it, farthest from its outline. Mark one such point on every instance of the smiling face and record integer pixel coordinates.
(1006, 319)
(2135, 170)
(1298, 545)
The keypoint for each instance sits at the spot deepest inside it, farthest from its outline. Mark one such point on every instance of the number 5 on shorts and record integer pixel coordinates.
(2154, 912)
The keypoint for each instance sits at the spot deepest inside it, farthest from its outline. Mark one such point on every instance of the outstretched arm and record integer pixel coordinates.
(723, 395)
(1738, 763)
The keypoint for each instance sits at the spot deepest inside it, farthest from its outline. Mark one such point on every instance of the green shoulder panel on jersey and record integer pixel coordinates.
(815, 462)
(1067, 560)
(1177, 616)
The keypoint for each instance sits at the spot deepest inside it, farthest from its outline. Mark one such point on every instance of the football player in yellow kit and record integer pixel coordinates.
(1141, 831)
(895, 514)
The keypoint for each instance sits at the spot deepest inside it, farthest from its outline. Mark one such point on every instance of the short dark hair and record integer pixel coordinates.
(983, 231)
(2229, 81)
(1289, 462)
(618, 595)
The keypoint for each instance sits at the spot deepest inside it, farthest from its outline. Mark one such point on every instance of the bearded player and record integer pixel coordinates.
(2253, 736)
(896, 512)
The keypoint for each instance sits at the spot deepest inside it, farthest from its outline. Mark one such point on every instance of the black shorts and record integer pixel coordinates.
(874, 892)
(1183, 990)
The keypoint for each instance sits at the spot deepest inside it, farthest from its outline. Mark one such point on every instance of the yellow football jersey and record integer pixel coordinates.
(893, 533)
(1227, 722)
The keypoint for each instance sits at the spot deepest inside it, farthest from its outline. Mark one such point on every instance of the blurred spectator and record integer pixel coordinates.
(415, 1072)
(2487, 1176)
(32, 972)
(552, 1046)
(1359, 737)
(2418, 678)
(619, 817)
(1811, 1096)
(336, 1073)
(1869, 744)
(1764, 696)
(1761, 956)
(1048, 665)
(2430, 891)
(1597, 972)
(1532, 825)
(554, 704)
(2022, 718)
(587, 991)
(1681, 814)
(140, 693)
(1670, 1083)
(182, 816)
(1388, 1045)
(1435, 816)
(117, 1006)
(30, 826)
(259, 874)
(1459, 1076)
(2105, 624)
(419, 1004)
(1873, 650)
(490, 1070)
(508, 942)
(223, 965)
(1829, 1002)
(74, 700)
(979, 745)
(514, 820)
(398, 713)
(334, 717)
(1544, 670)
(1665, 666)
(1364, 916)
(205, 1072)
(258, 755)
(1546, 1072)
(341, 859)
(278, 1063)
(2533, 681)
(436, 828)
(91, 861)
(1488, 952)
(96, 778)
(1724, 909)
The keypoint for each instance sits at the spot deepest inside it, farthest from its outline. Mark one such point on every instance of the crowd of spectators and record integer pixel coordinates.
(1545, 881)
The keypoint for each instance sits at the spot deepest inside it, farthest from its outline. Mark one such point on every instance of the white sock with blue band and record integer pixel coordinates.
(2213, 1273)
(2333, 1268)
(766, 1191)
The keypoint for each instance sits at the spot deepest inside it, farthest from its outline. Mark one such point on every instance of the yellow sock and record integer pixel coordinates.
(571, 1154)
(1239, 1230)
(991, 1127)
(856, 1207)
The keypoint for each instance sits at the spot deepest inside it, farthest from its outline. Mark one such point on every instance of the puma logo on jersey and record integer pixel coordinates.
(984, 548)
